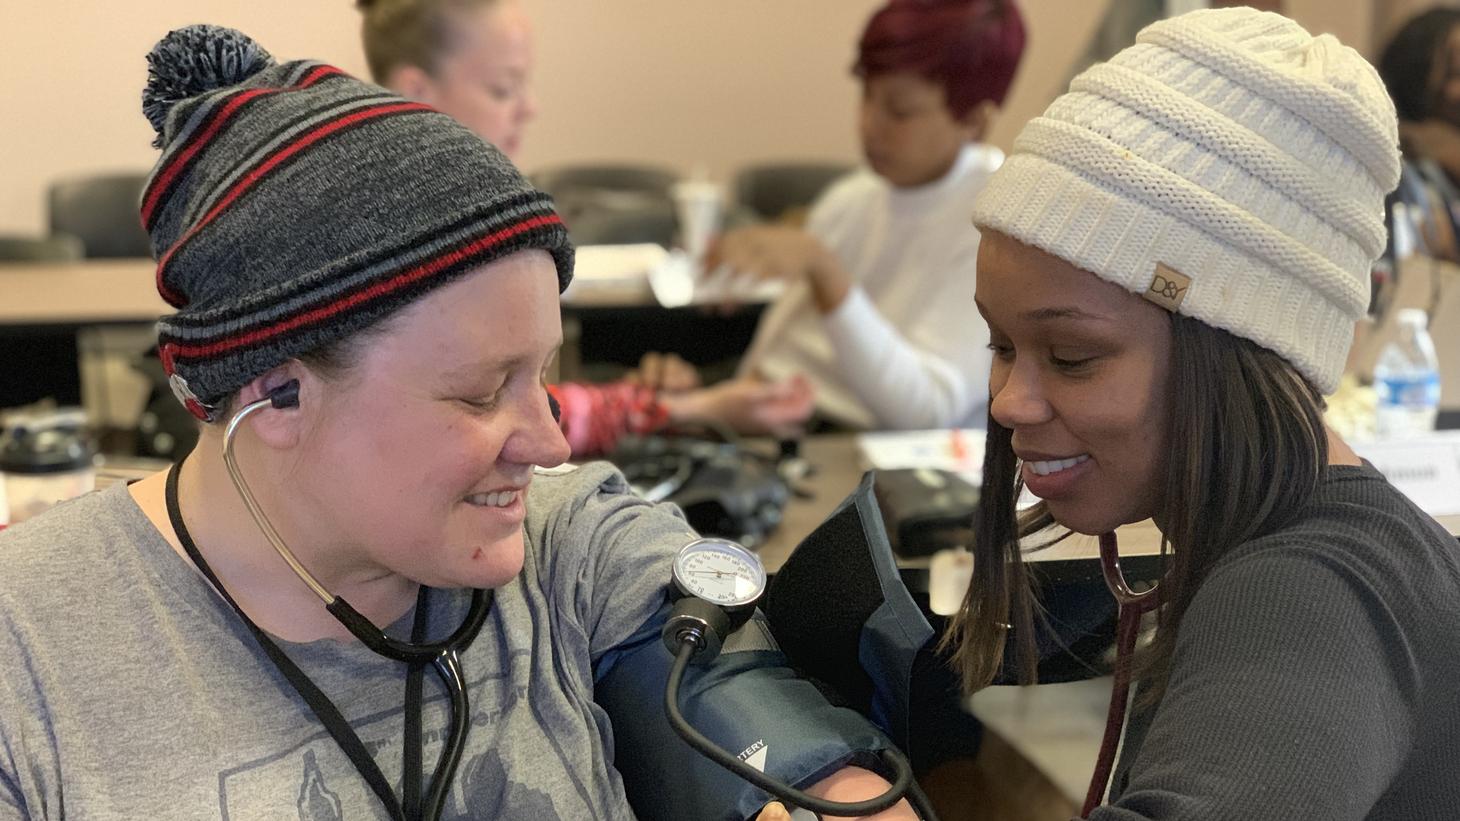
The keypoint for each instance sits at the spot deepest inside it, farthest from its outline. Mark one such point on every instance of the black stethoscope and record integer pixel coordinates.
(444, 656)
(1131, 606)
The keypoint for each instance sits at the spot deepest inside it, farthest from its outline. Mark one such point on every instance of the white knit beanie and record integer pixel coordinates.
(1230, 166)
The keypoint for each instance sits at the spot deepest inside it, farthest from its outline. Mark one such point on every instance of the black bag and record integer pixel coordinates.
(926, 510)
(724, 489)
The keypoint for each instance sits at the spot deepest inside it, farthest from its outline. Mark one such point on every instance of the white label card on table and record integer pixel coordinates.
(1424, 468)
(957, 450)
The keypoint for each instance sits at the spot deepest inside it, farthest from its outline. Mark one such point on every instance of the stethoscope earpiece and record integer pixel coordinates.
(285, 396)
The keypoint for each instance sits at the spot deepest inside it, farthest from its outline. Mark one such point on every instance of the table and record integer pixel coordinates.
(125, 290)
(838, 470)
(613, 321)
(44, 308)
(80, 293)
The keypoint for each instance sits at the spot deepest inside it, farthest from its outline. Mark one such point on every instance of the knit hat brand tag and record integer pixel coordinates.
(1168, 287)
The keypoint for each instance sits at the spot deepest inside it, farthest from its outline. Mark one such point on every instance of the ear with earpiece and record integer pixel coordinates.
(285, 396)
(282, 389)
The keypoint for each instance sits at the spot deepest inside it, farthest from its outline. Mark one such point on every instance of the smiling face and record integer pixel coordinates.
(1079, 376)
(416, 460)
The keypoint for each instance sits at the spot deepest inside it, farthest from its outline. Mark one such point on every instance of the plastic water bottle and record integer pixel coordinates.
(1407, 380)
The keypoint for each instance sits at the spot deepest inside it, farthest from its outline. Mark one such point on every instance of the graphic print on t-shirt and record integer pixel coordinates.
(315, 781)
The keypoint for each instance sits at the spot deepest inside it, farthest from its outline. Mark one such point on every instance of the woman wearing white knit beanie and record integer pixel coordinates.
(1172, 263)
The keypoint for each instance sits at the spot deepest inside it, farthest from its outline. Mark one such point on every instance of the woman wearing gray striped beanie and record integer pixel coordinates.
(366, 301)
(1173, 260)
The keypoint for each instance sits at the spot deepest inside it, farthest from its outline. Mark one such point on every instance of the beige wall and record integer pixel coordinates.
(709, 84)
(716, 85)
(72, 71)
(1351, 21)
(689, 83)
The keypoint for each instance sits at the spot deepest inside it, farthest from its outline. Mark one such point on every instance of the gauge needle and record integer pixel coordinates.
(719, 574)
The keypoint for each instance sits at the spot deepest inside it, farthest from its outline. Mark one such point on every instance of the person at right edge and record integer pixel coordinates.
(1172, 263)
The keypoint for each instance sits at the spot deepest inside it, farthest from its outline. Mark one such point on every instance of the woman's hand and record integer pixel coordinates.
(773, 811)
(665, 372)
(847, 784)
(747, 405)
(779, 252)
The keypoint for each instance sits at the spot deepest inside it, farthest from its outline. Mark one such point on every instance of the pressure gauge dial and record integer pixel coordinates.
(720, 572)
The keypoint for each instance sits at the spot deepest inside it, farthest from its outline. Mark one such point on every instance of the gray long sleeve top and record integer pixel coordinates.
(1316, 675)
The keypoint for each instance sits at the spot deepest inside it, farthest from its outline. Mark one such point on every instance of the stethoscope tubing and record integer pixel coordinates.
(361, 627)
(448, 669)
(903, 784)
(443, 655)
(1131, 606)
(1115, 578)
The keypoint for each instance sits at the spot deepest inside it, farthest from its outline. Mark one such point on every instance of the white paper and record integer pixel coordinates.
(958, 450)
(678, 281)
(617, 268)
(1424, 468)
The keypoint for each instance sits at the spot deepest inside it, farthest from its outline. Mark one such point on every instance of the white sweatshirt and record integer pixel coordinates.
(906, 349)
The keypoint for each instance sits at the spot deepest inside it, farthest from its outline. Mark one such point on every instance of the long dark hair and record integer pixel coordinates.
(1246, 449)
(1409, 58)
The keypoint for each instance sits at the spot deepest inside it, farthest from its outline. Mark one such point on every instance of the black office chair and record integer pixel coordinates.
(772, 189)
(102, 211)
(55, 248)
(612, 204)
(606, 222)
(566, 180)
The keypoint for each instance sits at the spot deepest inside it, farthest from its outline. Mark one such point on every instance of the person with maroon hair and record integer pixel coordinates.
(877, 314)
(960, 53)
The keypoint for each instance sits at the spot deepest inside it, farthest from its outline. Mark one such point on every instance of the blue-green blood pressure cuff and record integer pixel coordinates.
(840, 611)
(748, 701)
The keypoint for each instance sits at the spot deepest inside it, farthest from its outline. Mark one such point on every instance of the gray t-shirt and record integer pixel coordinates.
(1316, 675)
(130, 689)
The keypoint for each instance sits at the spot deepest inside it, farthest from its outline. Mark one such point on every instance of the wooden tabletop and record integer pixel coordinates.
(80, 293)
(105, 291)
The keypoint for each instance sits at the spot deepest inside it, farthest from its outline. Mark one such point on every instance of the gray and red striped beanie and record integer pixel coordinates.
(294, 205)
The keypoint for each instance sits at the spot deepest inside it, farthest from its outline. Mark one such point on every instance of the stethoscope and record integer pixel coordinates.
(444, 656)
(705, 613)
(719, 583)
(1130, 606)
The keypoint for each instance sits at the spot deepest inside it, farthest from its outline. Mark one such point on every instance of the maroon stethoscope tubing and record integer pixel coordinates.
(1132, 606)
